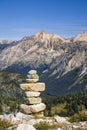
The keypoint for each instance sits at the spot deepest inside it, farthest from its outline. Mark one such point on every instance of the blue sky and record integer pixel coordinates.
(19, 18)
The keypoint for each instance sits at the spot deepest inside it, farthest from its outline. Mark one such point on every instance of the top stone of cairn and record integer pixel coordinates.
(32, 76)
(32, 72)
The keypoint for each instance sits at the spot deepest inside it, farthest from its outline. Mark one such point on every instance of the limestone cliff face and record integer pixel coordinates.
(32, 51)
(52, 55)
(45, 51)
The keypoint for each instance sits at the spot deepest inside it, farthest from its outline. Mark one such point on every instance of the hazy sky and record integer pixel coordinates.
(19, 18)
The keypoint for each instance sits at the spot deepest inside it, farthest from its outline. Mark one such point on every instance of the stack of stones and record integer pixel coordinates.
(33, 103)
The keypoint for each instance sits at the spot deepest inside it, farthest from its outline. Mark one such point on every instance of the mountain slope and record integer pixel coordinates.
(32, 51)
(9, 84)
(53, 56)
(73, 81)
(11, 96)
(6, 43)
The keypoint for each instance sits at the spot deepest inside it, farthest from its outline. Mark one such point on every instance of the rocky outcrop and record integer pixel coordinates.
(60, 119)
(24, 121)
(46, 53)
(80, 37)
(32, 90)
(42, 51)
(25, 127)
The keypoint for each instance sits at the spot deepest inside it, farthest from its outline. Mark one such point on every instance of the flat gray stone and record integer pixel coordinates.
(32, 80)
(33, 100)
(32, 94)
(33, 87)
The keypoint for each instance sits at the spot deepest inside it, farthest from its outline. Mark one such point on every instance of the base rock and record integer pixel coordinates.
(38, 107)
(25, 109)
(28, 109)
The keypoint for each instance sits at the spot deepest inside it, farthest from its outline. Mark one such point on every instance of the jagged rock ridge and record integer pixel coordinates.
(48, 53)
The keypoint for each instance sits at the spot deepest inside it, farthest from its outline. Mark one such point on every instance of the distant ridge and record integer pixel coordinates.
(80, 37)
(51, 55)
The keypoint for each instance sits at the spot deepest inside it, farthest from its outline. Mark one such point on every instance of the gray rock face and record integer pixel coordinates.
(46, 52)
(33, 87)
(60, 119)
(44, 49)
(25, 127)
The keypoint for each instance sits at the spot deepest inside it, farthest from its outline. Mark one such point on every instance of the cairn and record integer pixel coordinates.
(33, 101)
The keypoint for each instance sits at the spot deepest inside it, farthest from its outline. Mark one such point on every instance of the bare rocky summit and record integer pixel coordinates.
(51, 55)
(81, 37)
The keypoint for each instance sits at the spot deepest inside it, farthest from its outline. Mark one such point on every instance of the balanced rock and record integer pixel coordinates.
(32, 80)
(28, 109)
(33, 100)
(32, 94)
(33, 76)
(33, 103)
(33, 86)
(25, 109)
(32, 72)
(38, 107)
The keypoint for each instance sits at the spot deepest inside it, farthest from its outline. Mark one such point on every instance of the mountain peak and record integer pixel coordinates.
(40, 34)
(81, 37)
(45, 36)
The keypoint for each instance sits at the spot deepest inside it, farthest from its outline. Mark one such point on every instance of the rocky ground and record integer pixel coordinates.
(22, 121)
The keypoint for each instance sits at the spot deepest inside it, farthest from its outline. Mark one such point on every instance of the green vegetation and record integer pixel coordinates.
(11, 96)
(73, 105)
(9, 105)
(81, 116)
(46, 126)
(10, 93)
(4, 125)
(71, 82)
(42, 126)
